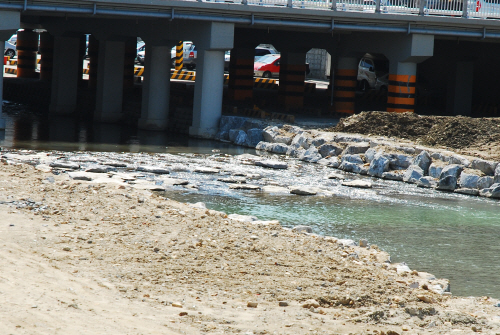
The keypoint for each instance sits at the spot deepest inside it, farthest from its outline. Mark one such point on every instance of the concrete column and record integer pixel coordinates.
(65, 75)
(2, 120)
(240, 86)
(93, 60)
(27, 48)
(47, 53)
(156, 88)
(344, 87)
(207, 105)
(459, 97)
(109, 96)
(292, 77)
(402, 85)
(129, 63)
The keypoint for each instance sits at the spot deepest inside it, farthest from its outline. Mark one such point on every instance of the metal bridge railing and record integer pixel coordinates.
(485, 9)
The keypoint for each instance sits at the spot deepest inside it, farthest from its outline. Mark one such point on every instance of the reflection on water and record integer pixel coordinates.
(72, 134)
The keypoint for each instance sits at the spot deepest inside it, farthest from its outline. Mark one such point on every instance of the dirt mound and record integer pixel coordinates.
(473, 136)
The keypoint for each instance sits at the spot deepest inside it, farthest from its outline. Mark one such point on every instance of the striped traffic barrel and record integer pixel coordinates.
(27, 48)
(401, 93)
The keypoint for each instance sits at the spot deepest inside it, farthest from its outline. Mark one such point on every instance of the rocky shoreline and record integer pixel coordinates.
(98, 217)
(375, 156)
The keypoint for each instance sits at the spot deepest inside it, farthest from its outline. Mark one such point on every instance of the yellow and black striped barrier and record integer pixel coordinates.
(265, 83)
(138, 71)
(183, 75)
(283, 117)
(179, 55)
(10, 71)
(14, 61)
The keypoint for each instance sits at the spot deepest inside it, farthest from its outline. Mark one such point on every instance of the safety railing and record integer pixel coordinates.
(456, 8)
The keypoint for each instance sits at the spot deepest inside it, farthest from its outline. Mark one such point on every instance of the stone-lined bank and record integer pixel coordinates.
(366, 155)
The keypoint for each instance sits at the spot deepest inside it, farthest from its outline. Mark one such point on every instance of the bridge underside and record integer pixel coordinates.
(451, 73)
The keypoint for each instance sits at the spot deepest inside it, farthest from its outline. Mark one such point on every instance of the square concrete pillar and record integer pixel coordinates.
(207, 105)
(344, 86)
(460, 81)
(156, 88)
(241, 82)
(109, 95)
(65, 75)
(291, 79)
(2, 120)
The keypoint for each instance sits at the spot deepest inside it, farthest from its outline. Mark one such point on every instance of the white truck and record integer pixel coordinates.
(369, 70)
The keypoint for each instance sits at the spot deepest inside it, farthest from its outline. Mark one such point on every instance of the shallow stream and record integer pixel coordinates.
(450, 235)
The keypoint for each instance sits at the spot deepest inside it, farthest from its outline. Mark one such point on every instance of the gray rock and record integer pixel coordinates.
(356, 148)
(467, 191)
(329, 150)
(336, 176)
(294, 150)
(302, 229)
(427, 182)
(468, 180)
(400, 162)
(485, 182)
(378, 165)
(356, 159)
(487, 167)
(310, 155)
(363, 243)
(457, 159)
(80, 176)
(497, 174)
(269, 133)
(435, 170)
(152, 169)
(346, 242)
(254, 136)
(206, 170)
(370, 154)
(357, 183)
(174, 181)
(440, 156)
(319, 141)
(423, 160)
(492, 192)
(233, 134)
(278, 148)
(233, 180)
(453, 170)
(448, 183)
(302, 140)
(64, 165)
(244, 187)
(413, 174)
(228, 122)
(333, 162)
(303, 190)
(244, 218)
(283, 139)
(391, 175)
(351, 167)
(99, 168)
(264, 146)
(272, 164)
(275, 189)
(241, 138)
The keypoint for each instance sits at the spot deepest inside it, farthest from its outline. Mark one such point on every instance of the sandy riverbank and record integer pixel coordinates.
(93, 258)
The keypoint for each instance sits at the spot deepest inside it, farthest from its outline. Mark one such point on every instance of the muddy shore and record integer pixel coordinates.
(116, 258)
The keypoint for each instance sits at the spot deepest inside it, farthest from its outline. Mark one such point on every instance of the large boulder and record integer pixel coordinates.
(435, 170)
(413, 174)
(272, 164)
(370, 154)
(294, 150)
(427, 182)
(378, 166)
(356, 148)
(448, 183)
(460, 160)
(487, 167)
(351, 163)
(278, 148)
(453, 170)
(485, 182)
(233, 134)
(497, 174)
(333, 162)
(356, 159)
(492, 192)
(269, 133)
(392, 175)
(302, 140)
(329, 149)
(400, 161)
(264, 146)
(310, 155)
(254, 136)
(241, 138)
(468, 180)
(423, 160)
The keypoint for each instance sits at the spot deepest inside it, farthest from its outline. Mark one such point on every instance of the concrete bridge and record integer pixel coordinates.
(457, 40)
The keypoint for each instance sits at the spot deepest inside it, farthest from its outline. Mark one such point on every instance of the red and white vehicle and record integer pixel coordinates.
(267, 66)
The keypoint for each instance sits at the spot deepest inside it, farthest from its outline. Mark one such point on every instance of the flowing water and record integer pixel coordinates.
(450, 235)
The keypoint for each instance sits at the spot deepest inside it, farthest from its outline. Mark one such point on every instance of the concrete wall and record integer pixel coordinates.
(319, 63)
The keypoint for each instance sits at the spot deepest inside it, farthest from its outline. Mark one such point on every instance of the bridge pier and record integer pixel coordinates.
(156, 87)
(47, 56)
(459, 97)
(240, 86)
(214, 38)
(344, 85)
(9, 23)
(27, 47)
(109, 95)
(292, 77)
(402, 87)
(65, 74)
